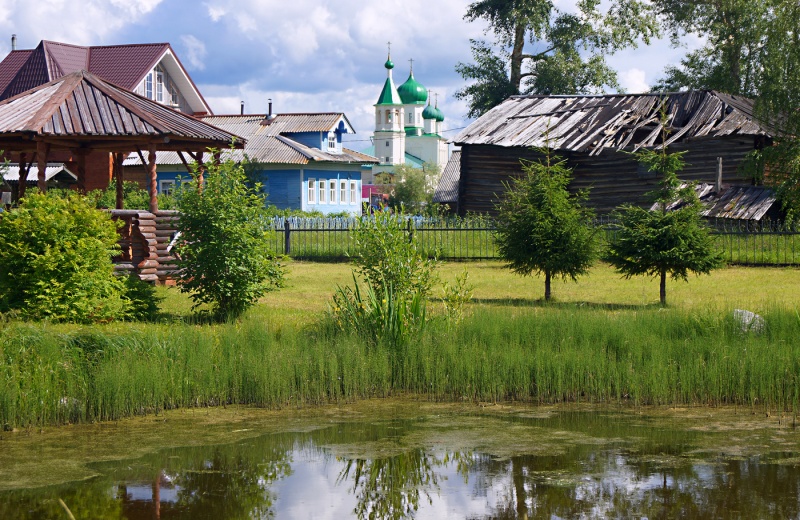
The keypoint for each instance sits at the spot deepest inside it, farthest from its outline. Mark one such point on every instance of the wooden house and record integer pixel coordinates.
(593, 134)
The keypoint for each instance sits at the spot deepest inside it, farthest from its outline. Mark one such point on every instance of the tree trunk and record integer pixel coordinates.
(516, 56)
(547, 286)
(663, 287)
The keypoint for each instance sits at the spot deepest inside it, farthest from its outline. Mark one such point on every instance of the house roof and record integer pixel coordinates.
(591, 124)
(122, 65)
(732, 202)
(52, 170)
(272, 143)
(447, 189)
(82, 109)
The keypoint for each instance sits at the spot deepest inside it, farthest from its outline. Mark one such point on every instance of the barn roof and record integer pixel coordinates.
(447, 189)
(591, 124)
(82, 109)
(731, 202)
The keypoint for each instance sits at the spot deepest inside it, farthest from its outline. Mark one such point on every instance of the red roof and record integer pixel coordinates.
(123, 65)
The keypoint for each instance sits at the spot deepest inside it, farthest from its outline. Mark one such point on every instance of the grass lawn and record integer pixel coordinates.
(310, 286)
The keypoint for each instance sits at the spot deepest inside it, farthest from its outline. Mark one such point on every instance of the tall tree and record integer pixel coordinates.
(541, 228)
(729, 60)
(569, 53)
(663, 241)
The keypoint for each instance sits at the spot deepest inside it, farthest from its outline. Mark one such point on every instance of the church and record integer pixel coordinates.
(408, 128)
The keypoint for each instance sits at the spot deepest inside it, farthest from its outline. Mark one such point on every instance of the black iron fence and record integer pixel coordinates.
(472, 238)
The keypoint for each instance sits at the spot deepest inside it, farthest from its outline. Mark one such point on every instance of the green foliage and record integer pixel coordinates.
(388, 255)
(133, 197)
(457, 296)
(574, 48)
(414, 187)
(55, 253)
(663, 241)
(541, 228)
(142, 299)
(224, 256)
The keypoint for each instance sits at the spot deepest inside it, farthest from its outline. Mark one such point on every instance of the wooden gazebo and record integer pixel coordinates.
(80, 116)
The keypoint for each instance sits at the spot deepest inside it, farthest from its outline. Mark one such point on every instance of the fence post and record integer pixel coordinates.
(410, 231)
(287, 241)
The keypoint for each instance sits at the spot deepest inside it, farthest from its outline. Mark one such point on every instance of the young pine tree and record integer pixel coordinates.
(541, 228)
(663, 241)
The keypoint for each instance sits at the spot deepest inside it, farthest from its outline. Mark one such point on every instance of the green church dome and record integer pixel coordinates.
(439, 114)
(429, 112)
(412, 92)
(389, 64)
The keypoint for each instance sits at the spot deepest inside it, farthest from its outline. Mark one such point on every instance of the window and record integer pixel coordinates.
(411, 117)
(388, 116)
(322, 189)
(354, 192)
(343, 192)
(148, 86)
(387, 143)
(166, 186)
(160, 87)
(331, 141)
(312, 191)
(332, 186)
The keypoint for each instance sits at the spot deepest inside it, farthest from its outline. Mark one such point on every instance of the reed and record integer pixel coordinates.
(539, 353)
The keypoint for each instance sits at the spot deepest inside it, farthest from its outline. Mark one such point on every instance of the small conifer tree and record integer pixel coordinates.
(543, 229)
(669, 239)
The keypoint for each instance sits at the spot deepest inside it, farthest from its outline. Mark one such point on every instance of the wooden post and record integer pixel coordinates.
(718, 186)
(201, 169)
(80, 159)
(120, 179)
(23, 175)
(287, 241)
(42, 150)
(151, 167)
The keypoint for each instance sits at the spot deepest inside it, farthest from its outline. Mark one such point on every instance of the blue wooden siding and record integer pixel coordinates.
(283, 188)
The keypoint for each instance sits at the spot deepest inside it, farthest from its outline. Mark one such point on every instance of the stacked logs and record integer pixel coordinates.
(138, 243)
(166, 225)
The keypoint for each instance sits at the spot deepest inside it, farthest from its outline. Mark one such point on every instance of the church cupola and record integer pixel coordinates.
(389, 138)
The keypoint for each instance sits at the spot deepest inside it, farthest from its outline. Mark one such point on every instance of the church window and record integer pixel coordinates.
(387, 143)
(388, 116)
(411, 117)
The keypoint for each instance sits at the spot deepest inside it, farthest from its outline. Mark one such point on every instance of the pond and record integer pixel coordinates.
(401, 458)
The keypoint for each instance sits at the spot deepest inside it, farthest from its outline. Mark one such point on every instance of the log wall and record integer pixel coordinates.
(613, 178)
(144, 238)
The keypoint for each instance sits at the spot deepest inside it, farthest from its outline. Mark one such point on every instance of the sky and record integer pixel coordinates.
(306, 55)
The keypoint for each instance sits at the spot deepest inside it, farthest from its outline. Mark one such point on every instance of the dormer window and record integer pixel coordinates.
(332, 142)
(160, 87)
(148, 86)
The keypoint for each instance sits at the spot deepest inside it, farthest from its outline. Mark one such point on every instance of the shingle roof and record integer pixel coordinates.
(616, 121)
(82, 104)
(447, 189)
(733, 202)
(51, 60)
(270, 143)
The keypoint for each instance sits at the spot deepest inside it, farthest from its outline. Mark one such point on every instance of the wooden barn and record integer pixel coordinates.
(593, 133)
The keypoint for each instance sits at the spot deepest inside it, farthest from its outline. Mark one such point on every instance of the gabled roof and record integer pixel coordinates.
(591, 124)
(272, 143)
(81, 107)
(58, 170)
(122, 65)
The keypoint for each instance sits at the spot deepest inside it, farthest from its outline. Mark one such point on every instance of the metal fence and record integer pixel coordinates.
(472, 238)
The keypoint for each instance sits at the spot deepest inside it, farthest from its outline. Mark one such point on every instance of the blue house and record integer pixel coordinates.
(298, 158)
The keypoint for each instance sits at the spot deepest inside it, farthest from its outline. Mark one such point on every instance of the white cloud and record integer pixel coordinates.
(633, 81)
(194, 52)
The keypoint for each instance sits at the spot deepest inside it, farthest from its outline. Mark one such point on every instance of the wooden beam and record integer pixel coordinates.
(42, 150)
(151, 167)
(183, 160)
(119, 175)
(24, 167)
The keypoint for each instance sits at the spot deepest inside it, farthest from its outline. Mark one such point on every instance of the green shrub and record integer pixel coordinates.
(224, 252)
(133, 196)
(55, 261)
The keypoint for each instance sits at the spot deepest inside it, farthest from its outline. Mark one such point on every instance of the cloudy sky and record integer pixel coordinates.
(307, 55)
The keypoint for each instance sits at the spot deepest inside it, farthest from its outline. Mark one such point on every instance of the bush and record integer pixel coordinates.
(224, 253)
(133, 196)
(55, 261)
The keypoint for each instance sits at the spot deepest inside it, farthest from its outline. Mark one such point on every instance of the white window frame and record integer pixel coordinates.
(332, 190)
(331, 142)
(312, 191)
(148, 86)
(167, 186)
(342, 191)
(159, 86)
(354, 199)
(323, 185)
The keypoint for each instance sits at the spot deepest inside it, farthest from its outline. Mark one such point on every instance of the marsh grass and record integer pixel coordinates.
(539, 353)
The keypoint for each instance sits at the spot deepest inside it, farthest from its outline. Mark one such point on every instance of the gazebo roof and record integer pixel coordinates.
(80, 110)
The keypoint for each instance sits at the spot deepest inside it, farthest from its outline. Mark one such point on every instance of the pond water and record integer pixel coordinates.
(401, 458)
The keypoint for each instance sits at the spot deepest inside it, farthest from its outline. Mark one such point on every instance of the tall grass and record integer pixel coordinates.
(56, 375)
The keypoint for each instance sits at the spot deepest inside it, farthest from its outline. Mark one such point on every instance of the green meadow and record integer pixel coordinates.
(603, 339)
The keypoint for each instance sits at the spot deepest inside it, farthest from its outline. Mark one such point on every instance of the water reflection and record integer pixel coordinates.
(617, 467)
